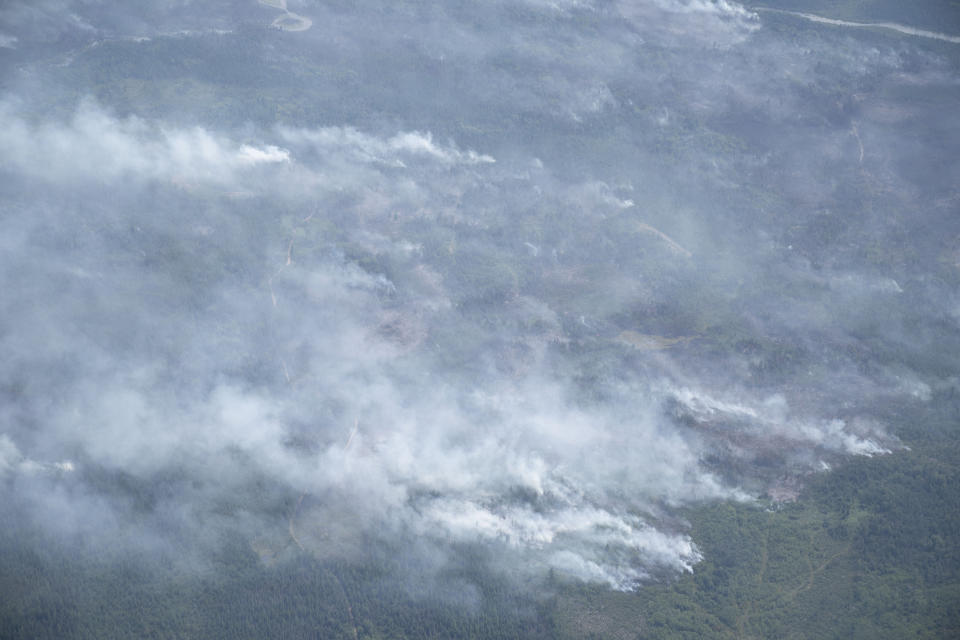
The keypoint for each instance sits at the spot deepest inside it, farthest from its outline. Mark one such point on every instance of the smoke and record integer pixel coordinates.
(115, 150)
(529, 277)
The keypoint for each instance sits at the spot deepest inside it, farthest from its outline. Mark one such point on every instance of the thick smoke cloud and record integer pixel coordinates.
(115, 150)
(532, 276)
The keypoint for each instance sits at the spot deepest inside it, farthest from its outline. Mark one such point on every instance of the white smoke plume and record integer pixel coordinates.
(530, 277)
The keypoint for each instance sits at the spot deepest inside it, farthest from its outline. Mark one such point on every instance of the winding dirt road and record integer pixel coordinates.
(893, 26)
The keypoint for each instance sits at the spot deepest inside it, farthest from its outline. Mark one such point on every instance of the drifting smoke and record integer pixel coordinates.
(541, 337)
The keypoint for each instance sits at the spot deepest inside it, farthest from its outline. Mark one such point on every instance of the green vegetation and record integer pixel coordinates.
(871, 550)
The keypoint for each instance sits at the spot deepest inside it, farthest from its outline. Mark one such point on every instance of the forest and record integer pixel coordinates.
(521, 319)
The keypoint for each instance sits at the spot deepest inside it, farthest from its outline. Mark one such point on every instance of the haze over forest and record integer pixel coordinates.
(426, 297)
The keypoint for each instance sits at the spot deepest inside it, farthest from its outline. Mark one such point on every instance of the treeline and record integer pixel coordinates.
(871, 550)
(49, 592)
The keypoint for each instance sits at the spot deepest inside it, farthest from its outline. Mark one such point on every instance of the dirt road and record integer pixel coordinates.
(893, 26)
